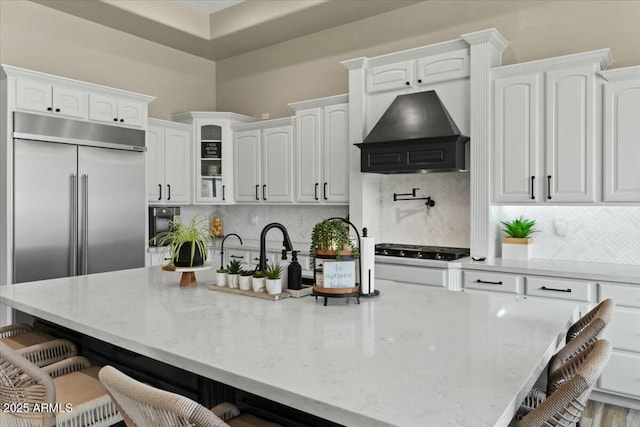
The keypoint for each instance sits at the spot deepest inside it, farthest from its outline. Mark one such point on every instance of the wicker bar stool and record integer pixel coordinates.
(65, 393)
(600, 315)
(565, 405)
(144, 406)
(39, 348)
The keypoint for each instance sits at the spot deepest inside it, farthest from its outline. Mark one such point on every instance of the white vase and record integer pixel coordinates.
(274, 286)
(232, 280)
(221, 279)
(257, 284)
(517, 249)
(244, 282)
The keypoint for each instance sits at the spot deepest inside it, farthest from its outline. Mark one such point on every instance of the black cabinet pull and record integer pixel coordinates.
(549, 187)
(533, 194)
(544, 288)
(49, 109)
(419, 80)
(169, 191)
(223, 198)
(160, 191)
(57, 110)
(488, 282)
(257, 198)
(407, 83)
(236, 256)
(115, 119)
(256, 259)
(324, 191)
(121, 120)
(264, 187)
(315, 191)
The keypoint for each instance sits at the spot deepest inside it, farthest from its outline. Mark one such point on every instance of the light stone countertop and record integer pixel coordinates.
(411, 357)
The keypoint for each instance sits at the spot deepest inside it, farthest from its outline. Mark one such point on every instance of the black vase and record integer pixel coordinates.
(184, 256)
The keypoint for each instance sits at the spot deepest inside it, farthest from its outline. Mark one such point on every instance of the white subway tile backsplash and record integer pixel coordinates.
(410, 222)
(609, 234)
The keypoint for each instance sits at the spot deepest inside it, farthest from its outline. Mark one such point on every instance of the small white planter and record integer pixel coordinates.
(232, 280)
(257, 284)
(274, 286)
(221, 279)
(517, 249)
(245, 282)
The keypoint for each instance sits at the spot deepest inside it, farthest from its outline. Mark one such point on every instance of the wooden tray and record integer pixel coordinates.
(262, 295)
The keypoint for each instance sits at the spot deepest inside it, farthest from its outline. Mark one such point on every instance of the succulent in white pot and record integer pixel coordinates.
(234, 272)
(517, 244)
(257, 282)
(274, 281)
(245, 280)
(221, 277)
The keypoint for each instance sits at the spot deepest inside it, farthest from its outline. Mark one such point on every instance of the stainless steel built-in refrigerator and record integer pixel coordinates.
(78, 198)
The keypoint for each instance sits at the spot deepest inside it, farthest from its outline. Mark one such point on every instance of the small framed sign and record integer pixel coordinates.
(339, 274)
(211, 150)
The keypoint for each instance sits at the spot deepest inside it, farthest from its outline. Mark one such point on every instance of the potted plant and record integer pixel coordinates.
(257, 283)
(188, 243)
(245, 280)
(234, 271)
(221, 276)
(274, 282)
(330, 238)
(517, 244)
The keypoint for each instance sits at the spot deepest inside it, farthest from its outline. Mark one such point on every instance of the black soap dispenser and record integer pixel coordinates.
(294, 272)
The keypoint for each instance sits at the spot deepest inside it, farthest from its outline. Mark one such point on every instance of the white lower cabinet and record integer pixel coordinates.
(492, 282)
(436, 277)
(622, 374)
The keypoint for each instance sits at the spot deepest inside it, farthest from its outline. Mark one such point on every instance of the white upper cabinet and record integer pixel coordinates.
(44, 97)
(263, 162)
(516, 138)
(109, 109)
(246, 166)
(413, 73)
(168, 163)
(570, 142)
(545, 143)
(322, 150)
(48, 94)
(621, 128)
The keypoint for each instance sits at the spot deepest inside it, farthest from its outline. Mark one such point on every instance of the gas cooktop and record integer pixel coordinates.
(422, 252)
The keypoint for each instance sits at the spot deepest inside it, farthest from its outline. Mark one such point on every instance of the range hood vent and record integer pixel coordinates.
(416, 134)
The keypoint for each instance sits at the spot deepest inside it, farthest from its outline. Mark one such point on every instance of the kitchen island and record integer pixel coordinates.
(412, 357)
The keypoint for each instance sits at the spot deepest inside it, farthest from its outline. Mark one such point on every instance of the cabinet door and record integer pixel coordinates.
(246, 166)
(131, 113)
(516, 134)
(69, 102)
(155, 164)
(177, 171)
(622, 141)
(33, 95)
(335, 184)
(103, 108)
(308, 155)
(570, 142)
(390, 77)
(277, 158)
(444, 67)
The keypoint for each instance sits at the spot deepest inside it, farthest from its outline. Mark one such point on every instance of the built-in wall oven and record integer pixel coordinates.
(160, 221)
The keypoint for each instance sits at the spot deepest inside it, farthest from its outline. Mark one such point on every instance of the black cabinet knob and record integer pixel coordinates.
(407, 83)
(419, 80)
(49, 109)
(57, 110)
(115, 119)
(121, 120)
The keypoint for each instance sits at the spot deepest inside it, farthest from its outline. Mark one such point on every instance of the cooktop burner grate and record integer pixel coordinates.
(422, 252)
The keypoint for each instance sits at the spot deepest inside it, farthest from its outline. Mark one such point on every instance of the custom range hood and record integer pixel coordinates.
(416, 134)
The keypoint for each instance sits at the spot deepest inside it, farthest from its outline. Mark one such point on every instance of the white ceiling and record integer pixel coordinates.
(210, 6)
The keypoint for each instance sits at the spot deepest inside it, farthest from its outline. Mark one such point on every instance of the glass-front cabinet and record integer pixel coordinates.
(213, 153)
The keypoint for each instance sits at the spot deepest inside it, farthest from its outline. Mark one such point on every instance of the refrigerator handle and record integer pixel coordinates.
(85, 225)
(73, 259)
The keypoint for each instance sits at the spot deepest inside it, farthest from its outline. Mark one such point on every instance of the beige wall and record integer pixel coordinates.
(42, 39)
(264, 81)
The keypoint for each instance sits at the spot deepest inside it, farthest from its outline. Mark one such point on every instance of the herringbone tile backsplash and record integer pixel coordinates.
(410, 222)
(592, 233)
